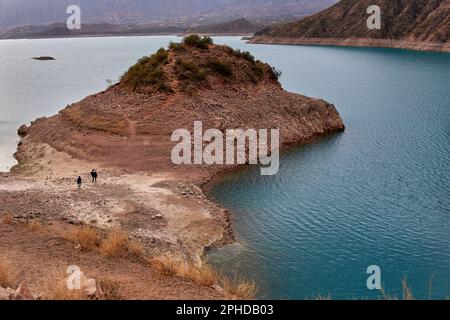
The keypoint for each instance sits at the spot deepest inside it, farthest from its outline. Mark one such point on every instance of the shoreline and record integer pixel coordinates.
(114, 35)
(357, 43)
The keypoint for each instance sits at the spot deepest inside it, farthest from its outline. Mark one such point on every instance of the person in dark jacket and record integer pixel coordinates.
(94, 175)
(79, 182)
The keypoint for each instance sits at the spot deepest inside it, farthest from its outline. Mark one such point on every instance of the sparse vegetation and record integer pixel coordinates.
(87, 237)
(243, 54)
(176, 46)
(407, 293)
(117, 244)
(135, 249)
(7, 218)
(222, 68)
(148, 72)
(258, 72)
(110, 289)
(275, 73)
(35, 226)
(195, 40)
(7, 276)
(59, 291)
(189, 74)
(239, 289)
(205, 275)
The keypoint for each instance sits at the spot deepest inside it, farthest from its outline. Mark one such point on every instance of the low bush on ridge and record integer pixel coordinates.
(195, 40)
(148, 72)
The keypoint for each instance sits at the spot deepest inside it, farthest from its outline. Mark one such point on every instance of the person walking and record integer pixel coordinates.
(94, 175)
(79, 182)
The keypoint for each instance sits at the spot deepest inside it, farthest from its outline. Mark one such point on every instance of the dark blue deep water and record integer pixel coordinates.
(378, 194)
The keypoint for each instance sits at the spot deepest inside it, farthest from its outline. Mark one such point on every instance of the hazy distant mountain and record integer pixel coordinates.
(32, 12)
(416, 24)
(239, 26)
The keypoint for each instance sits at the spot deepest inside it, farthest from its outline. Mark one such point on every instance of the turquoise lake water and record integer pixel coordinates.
(377, 194)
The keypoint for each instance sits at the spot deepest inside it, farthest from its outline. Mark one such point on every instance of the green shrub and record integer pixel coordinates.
(258, 72)
(197, 41)
(189, 71)
(244, 54)
(222, 68)
(275, 74)
(175, 46)
(189, 74)
(148, 71)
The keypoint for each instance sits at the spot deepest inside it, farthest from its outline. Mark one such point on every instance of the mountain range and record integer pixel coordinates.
(411, 24)
(15, 13)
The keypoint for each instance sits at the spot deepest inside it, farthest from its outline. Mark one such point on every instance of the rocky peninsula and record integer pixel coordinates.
(125, 134)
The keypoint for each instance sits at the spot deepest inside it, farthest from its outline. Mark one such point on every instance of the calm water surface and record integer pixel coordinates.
(377, 194)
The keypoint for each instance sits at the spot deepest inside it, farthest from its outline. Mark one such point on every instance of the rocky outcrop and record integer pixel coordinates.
(409, 24)
(130, 124)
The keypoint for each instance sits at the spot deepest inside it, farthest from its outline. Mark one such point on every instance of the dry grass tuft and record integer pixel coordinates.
(116, 244)
(7, 218)
(239, 288)
(7, 274)
(205, 275)
(87, 237)
(110, 289)
(59, 291)
(167, 265)
(35, 226)
(135, 249)
(407, 293)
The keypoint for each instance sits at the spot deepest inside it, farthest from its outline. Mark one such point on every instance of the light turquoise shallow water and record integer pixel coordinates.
(376, 194)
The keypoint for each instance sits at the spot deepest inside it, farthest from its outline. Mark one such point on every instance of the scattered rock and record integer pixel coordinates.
(22, 293)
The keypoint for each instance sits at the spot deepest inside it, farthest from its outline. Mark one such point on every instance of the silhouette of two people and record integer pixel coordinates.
(94, 176)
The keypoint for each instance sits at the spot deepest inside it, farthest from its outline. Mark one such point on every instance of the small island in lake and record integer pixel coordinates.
(43, 58)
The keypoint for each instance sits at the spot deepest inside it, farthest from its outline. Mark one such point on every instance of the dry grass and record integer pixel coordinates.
(59, 291)
(135, 249)
(167, 265)
(205, 275)
(7, 218)
(239, 288)
(323, 298)
(407, 294)
(116, 244)
(7, 274)
(110, 289)
(35, 226)
(87, 237)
